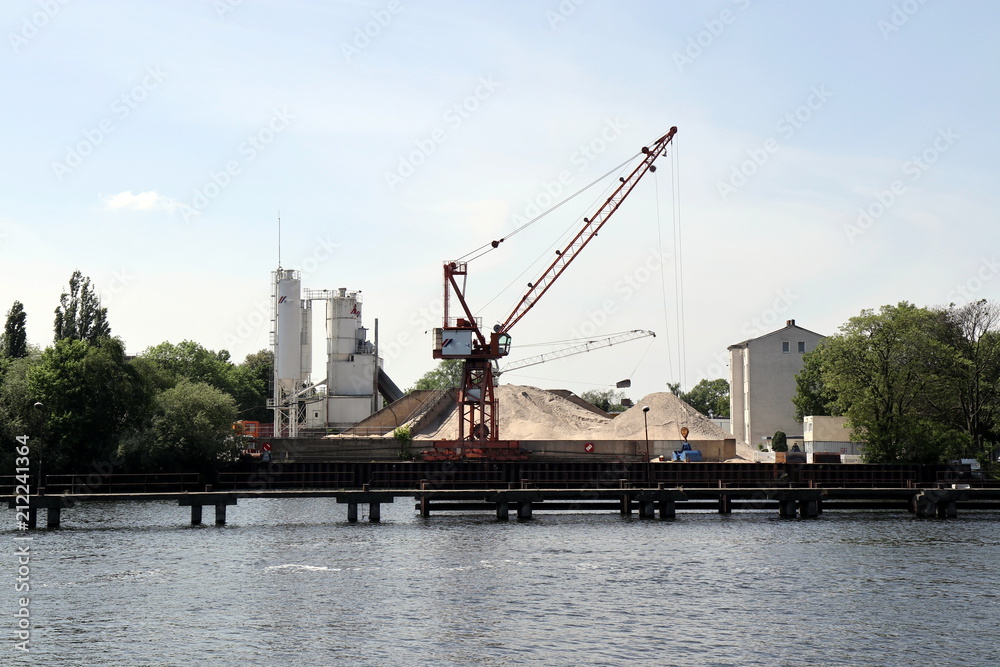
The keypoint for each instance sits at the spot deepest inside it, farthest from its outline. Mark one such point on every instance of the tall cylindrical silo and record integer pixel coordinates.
(288, 328)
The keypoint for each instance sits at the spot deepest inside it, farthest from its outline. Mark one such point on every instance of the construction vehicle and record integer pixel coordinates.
(461, 337)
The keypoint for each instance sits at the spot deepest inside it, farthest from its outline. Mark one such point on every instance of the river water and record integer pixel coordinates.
(290, 582)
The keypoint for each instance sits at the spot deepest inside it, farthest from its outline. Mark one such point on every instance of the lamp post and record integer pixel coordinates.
(39, 486)
(645, 423)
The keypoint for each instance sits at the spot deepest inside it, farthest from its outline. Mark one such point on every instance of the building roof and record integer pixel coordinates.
(789, 324)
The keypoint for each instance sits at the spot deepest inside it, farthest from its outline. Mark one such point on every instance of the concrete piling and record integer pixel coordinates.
(668, 509)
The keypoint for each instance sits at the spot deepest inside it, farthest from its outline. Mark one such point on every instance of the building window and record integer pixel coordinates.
(784, 346)
(802, 347)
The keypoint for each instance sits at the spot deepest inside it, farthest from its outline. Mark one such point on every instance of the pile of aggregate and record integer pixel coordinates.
(530, 413)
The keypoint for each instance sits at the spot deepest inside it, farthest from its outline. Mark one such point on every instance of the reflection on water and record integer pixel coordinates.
(290, 582)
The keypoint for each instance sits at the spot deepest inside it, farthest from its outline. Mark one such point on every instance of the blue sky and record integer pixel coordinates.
(830, 157)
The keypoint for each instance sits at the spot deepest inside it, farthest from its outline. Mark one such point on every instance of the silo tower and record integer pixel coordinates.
(290, 342)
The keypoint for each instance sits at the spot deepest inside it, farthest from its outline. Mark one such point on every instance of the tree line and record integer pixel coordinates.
(82, 401)
(917, 385)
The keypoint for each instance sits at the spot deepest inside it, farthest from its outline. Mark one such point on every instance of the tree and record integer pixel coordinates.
(779, 443)
(190, 430)
(14, 340)
(884, 368)
(971, 397)
(605, 399)
(709, 397)
(251, 382)
(447, 374)
(166, 364)
(17, 414)
(79, 315)
(812, 395)
(91, 396)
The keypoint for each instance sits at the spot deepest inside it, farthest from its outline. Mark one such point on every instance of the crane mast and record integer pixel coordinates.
(462, 338)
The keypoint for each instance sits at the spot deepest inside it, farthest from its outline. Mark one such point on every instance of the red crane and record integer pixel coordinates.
(461, 337)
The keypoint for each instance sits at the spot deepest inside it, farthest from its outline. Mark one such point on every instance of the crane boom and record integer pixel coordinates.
(591, 226)
(575, 349)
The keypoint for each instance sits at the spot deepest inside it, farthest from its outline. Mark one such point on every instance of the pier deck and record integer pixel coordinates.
(649, 502)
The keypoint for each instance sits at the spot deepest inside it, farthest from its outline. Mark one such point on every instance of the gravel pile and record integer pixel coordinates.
(529, 413)
(667, 414)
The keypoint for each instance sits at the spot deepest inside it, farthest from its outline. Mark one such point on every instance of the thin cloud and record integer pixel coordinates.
(143, 201)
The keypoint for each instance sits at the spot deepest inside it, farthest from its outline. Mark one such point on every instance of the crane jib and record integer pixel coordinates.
(592, 226)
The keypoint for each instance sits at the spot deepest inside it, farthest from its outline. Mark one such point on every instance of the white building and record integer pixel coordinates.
(762, 382)
(828, 434)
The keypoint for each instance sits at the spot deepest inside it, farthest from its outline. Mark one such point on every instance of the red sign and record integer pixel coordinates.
(589, 448)
(266, 446)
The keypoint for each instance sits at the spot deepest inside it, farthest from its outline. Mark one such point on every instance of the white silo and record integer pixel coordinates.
(351, 364)
(288, 330)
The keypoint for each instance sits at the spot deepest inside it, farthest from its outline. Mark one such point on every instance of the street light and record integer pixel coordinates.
(645, 423)
(39, 488)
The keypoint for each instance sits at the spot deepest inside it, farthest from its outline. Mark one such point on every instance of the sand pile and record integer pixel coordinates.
(529, 413)
(667, 414)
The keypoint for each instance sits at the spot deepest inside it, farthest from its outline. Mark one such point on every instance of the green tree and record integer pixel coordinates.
(166, 364)
(14, 340)
(970, 400)
(190, 430)
(79, 315)
(91, 396)
(709, 396)
(779, 442)
(17, 414)
(605, 399)
(251, 383)
(812, 395)
(884, 369)
(447, 374)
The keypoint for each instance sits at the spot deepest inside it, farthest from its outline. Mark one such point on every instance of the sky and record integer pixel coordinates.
(830, 157)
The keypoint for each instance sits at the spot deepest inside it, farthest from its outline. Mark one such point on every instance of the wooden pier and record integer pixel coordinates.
(649, 503)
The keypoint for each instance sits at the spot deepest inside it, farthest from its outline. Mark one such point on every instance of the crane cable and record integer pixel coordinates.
(679, 265)
(639, 363)
(492, 245)
(569, 230)
(663, 278)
